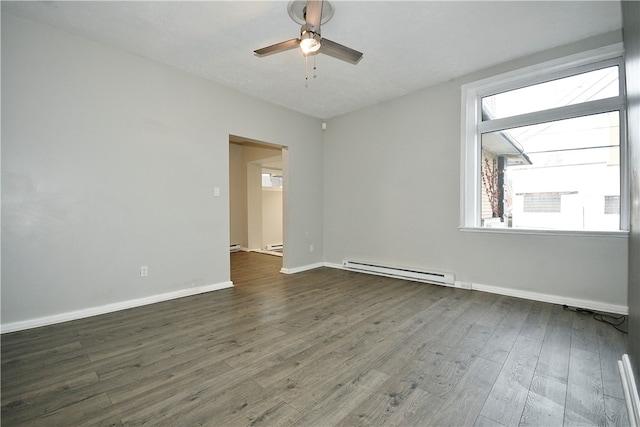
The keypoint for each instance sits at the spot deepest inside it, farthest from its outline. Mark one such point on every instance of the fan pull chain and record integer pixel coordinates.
(306, 71)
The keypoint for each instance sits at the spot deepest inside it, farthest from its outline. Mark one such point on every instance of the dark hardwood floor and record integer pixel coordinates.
(324, 347)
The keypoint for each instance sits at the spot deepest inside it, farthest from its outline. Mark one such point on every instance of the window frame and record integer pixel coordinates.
(472, 127)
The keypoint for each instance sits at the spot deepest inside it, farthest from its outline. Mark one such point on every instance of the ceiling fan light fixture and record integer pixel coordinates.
(309, 42)
(312, 14)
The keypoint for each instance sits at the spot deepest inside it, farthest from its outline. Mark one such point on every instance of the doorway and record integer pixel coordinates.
(257, 186)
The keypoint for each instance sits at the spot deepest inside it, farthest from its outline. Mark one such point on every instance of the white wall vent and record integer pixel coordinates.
(401, 272)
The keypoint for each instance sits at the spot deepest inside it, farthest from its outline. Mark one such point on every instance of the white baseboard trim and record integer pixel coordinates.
(462, 285)
(536, 296)
(630, 391)
(553, 299)
(110, 308)
(332, 265)
(301, 268)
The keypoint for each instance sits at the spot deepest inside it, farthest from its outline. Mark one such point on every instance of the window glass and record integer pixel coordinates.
(553, 175)
(271, 180)
(590, 86)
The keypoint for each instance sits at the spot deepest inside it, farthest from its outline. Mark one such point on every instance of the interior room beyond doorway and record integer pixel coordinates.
(256, 186)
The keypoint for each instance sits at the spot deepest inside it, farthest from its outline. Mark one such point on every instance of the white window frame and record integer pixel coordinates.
(472, 127)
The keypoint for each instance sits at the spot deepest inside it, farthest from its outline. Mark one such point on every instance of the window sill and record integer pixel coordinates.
(577, 233)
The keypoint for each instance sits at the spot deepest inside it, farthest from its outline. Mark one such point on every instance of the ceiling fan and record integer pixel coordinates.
(310, 41)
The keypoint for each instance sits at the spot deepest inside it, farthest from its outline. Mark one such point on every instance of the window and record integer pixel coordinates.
(543, 148)
(542, 202)
(272, 179)
(612, 205)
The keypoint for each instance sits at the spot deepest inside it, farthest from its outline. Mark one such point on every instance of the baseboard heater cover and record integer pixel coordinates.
(234, 248)
(401, 272)
(277, 247)
(630, 391)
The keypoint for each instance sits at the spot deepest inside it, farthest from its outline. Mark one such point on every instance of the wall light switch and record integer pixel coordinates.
(144, 271)
(216, 191)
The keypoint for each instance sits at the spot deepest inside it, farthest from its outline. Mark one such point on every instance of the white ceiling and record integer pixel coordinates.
(407, 45)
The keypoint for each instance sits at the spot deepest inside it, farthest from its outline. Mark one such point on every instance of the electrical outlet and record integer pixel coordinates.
(310, 248)
(144, 271)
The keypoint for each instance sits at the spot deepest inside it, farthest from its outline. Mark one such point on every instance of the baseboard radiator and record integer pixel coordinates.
(631, 399)
(234, 248)
(439, 278)
(277, 247)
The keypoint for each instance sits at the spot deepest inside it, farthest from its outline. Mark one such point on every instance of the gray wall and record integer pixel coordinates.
(631, 23)
(401, 161)
(109, 162)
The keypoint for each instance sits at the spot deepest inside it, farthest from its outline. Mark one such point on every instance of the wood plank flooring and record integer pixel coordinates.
(324, 347)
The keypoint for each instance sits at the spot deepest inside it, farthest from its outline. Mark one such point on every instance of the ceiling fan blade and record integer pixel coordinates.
(278, 47)
(314, 15)
(339, 51)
